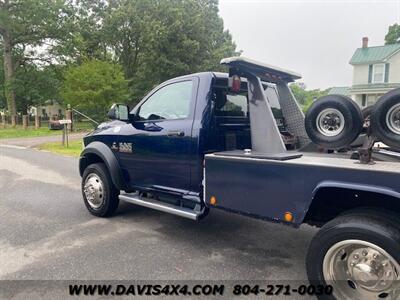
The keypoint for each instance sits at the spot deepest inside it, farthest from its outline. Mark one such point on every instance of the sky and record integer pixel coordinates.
(313, 38)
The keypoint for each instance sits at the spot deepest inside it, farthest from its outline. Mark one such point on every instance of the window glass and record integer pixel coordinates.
(230, 104)
(379, 73)
(169, 103)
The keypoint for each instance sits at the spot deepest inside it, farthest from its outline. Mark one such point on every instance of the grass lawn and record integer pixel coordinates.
(19, 132)
(74, 148)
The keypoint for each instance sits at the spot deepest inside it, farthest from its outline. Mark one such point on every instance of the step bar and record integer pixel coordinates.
(161, 206)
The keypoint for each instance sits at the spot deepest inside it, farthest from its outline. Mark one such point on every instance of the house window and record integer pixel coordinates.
(378, 73)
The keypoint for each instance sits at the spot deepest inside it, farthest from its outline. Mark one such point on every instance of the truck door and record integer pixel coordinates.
(162, 142)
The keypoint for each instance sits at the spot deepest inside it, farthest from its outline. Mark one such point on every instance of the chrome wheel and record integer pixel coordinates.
(393, 119)
(330, 122)
(361, 270)
(94, 191)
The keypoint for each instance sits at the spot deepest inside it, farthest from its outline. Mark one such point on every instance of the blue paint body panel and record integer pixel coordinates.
(267, 188)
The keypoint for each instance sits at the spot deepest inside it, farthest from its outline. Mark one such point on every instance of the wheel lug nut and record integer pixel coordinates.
(352, 264)
(365, 253)
(375, 256)
(356, 256)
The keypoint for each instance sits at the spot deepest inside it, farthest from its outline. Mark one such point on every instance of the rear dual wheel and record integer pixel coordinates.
(358, 254)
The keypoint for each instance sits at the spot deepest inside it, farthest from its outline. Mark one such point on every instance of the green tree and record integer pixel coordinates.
(306, 97)
(93, 86)
(152, 40)
(393, 35)
(86, 38)
(34, 85)
(3, 100)
(157, 40)
(24, 25)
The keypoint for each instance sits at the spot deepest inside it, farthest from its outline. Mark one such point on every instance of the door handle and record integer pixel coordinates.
(176, 133)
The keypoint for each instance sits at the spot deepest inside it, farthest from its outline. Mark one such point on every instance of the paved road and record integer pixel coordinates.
(46, 233)
(32, 142)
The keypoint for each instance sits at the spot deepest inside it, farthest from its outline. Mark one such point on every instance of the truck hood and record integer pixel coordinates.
(103, 127)
(109, 124)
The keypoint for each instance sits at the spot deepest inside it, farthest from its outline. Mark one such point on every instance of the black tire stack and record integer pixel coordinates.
(335, 121)
(345, 116)
(385, 119)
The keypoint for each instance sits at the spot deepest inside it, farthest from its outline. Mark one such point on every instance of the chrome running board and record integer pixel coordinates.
(161, 206)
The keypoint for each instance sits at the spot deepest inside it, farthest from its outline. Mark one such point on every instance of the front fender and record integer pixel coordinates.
(104, 153)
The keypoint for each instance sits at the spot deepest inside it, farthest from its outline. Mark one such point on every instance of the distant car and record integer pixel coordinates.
(55, 125)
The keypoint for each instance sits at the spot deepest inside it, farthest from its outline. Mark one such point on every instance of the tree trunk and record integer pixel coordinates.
(25, 121)
(9, 76)
(37, 121)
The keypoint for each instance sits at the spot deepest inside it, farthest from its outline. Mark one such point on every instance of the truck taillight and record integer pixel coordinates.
(234, 83)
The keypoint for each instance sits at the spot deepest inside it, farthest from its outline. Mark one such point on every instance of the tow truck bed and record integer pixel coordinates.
(269, 188)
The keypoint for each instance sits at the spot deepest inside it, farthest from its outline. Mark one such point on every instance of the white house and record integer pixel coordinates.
(51, 109)
(376, 70)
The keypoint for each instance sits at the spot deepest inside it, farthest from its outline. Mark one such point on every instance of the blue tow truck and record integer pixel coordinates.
(213, 141)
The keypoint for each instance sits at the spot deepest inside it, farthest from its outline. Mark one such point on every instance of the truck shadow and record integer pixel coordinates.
(226, 239)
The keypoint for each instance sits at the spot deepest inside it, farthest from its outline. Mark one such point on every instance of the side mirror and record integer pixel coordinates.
(119, 112)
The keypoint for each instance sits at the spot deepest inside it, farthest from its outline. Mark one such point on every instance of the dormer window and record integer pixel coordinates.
(378, 73)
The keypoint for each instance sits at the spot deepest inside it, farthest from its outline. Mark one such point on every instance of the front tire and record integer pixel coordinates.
(99, 193)
(359, 255)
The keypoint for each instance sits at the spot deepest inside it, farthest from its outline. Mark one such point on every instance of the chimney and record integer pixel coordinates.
(365, 42)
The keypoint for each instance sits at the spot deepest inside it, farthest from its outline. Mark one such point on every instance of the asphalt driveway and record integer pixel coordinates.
(47, 234)
(31, 142)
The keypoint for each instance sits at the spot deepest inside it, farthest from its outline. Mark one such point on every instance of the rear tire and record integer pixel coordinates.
(354, 252)
(333, 121)
(385, 119)
(99, 193)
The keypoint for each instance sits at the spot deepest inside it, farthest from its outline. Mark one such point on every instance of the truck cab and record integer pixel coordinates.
(160, 144)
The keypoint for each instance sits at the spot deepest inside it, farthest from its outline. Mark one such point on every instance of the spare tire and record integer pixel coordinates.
(333, 121)
(385, 119)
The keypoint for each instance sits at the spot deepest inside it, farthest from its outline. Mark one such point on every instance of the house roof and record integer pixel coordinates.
(339, 90)
(374, 54)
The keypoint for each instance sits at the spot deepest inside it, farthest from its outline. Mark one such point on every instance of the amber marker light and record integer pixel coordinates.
(288, 217)
(213, 200)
